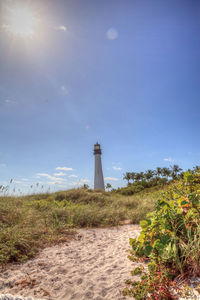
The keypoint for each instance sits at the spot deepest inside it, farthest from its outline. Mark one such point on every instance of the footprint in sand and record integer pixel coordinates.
(79, 281)
(97, 270)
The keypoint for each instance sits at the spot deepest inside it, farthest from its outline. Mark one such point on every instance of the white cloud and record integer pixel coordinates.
(52, 182)
(84, 180)
(169, 159)
(24, 179)
(80, 182)
(87, 126)
(58, 179)
(64, 169)
(117, 168)
(73, 176)
(56, 182)
(61, 28)
(54, 179)
(112, 34)
(17, 181)
(75, 183)
(43, 175)
(111, 178)
(64, 90)
(59, 174)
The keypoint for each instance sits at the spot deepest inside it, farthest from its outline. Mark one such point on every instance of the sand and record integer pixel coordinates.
(92, 266)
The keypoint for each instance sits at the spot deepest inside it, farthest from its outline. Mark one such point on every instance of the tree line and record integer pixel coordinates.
(174, 172)
(137, 181)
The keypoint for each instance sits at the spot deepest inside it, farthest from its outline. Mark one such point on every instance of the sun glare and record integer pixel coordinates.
(21, 22)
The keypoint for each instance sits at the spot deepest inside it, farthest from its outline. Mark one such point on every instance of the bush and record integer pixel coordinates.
(170, 238)
(82, 196)
(131, 190)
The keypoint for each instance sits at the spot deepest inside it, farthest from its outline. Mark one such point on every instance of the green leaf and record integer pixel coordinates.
(141, 238)
(131, 241)
(184, 202)
(144, 223)
(147, 250)
(194, 198)
(165, 239)
(174, 249)
(188, 177)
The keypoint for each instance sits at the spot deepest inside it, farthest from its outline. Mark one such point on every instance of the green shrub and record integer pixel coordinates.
(170, 238)
(131, 190)
(82, 196)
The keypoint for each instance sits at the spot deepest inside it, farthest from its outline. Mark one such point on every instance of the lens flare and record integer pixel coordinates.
(21, 22)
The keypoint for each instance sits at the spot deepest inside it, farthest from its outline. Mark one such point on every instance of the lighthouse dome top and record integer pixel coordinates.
(97, 148)
(97, 145)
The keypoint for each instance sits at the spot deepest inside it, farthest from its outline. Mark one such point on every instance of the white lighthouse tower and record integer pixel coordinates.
(98, 173)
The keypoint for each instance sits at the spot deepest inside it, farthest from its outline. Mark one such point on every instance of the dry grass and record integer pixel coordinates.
(30, 223)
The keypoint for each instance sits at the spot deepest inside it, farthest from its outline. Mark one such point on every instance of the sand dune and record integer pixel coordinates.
(93, 266)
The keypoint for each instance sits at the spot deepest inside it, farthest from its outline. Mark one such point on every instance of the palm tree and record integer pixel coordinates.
(133, 175)
(166, 172)
(149, 174)
(158, 171)
(137, 177)
(175, 171)
(85, 186)
(141, 175)
(127, 177)
(108, 186)
(196, 169)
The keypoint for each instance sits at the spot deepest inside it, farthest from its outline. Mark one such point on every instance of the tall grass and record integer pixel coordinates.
(28, 223)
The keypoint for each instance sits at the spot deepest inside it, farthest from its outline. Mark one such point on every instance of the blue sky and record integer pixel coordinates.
(123, 73)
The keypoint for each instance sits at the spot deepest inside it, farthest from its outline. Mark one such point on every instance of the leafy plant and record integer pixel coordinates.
(137, 271)
(170, 239)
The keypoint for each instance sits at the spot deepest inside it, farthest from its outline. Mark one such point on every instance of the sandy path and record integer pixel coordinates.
(93, 266)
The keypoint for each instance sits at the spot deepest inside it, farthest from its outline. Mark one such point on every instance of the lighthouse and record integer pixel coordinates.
(98, 173)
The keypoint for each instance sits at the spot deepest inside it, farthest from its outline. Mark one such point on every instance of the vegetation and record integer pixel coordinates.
(29, 223)
(108, 186)
(174, 172)
(170, 236)
(170, 239)
(137, 182)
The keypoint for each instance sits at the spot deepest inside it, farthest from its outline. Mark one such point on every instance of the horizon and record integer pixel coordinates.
(125, 74)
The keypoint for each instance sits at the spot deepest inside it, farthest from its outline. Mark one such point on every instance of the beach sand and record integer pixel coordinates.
(92, 266)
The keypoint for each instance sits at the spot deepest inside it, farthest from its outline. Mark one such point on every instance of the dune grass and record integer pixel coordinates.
(29, 223)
